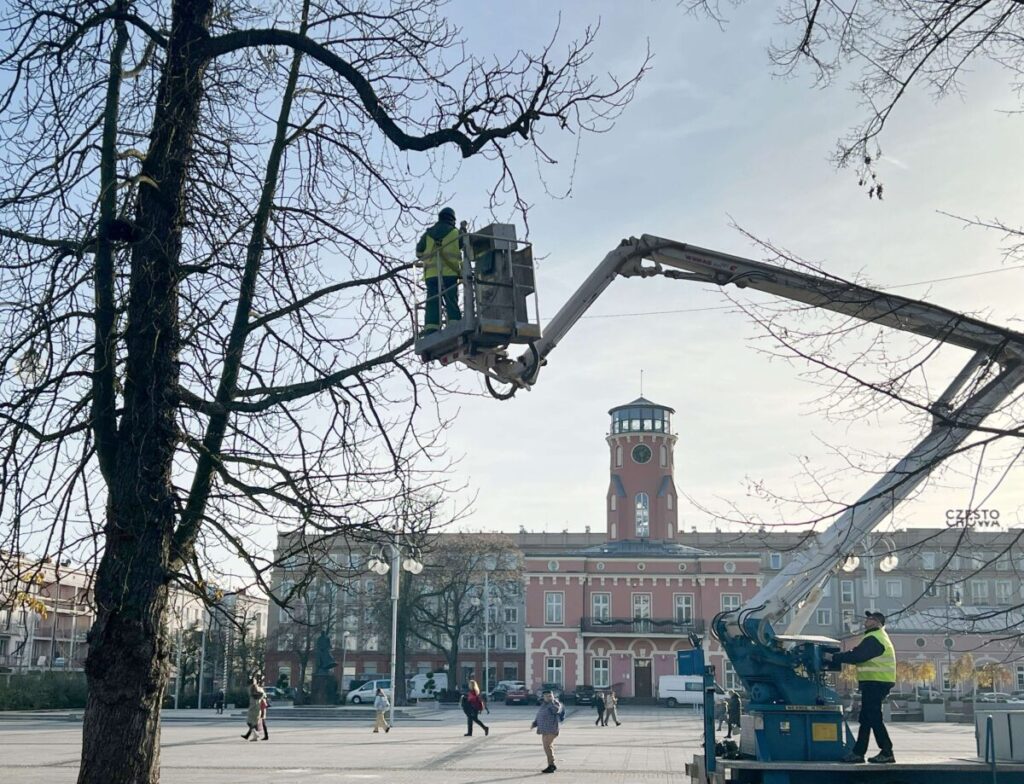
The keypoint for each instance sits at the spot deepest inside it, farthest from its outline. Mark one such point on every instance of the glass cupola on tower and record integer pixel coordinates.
(641, 416)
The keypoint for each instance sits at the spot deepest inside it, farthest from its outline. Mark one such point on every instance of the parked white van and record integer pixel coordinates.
(425, 685)
(674, 690)
(368, 691)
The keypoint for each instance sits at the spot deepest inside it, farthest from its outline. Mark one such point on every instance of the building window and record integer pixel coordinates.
(775, 560)
(553, 670)
(615, 504)
(729, 676)
(553, 602)
(511, 640)
(510, 672)
(931, 589)
(1020, 677)
(955, 594)
(846, 591)
(731, 601)
(664, 457)
(848, 620)
(684, 607)
(1004, 590)
(979, 591)
(643, 516)
(511, 615)
(492, 641)
(600, 674)
(618, 457)
(668, 501)
(1003, 563)
(928, 560)
(894, 588)
(823, 617)
(601, 606)
(642, 612)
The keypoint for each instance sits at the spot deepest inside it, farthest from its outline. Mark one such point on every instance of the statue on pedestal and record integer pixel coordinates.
(325, 685)
(324, 660)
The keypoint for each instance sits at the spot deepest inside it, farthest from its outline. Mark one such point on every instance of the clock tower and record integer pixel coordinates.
(641, 503)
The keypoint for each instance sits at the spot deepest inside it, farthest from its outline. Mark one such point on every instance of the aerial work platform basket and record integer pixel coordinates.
(499, 300)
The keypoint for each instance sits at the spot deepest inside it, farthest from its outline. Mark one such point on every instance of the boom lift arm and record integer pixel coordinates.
(787, 669)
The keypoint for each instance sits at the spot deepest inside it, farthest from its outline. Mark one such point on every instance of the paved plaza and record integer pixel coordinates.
(652, 745)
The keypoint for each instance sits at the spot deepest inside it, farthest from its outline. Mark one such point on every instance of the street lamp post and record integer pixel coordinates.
(487, 603)
(379, 566)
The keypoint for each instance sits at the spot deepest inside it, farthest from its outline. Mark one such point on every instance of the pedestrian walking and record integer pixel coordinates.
(473, 703)
(720, 714)
(546, 723)
(611, 708)
(599, 704)
(733, 708)
(875, 659)
(382, 705)
(219, 702)
(264, 704)
(252, 716)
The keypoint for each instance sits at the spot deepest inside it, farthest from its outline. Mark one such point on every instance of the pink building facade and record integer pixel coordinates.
(615, 615)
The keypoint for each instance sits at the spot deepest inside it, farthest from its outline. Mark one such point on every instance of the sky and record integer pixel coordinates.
(714, 140)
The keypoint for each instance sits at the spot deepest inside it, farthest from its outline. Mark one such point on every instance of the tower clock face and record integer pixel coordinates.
(641, 453)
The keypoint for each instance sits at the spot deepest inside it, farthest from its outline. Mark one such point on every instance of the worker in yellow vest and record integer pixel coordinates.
(875, 660)
(439, 253)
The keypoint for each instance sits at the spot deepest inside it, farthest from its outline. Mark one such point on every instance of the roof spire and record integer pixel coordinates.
(641, 382)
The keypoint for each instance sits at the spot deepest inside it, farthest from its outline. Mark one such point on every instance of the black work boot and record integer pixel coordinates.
(853, 757)
(884, 757)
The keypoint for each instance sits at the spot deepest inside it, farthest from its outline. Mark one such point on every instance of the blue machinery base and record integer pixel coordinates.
(792, 734)
(755, 772)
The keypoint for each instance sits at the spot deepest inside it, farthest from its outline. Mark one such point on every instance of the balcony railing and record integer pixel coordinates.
(621, 626)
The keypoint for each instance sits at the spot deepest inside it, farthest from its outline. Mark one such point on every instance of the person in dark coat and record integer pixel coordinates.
(733, 709)
(439, 252)
(599, 704)
(472, 705)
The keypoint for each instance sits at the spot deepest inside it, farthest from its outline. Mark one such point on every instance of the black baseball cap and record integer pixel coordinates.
(876, 615)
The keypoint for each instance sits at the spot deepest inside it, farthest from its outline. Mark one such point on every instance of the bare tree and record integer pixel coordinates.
(206, 304)
(449, 601)
(895, 47)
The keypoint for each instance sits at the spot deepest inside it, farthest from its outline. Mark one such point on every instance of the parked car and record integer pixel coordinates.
(675, 690)
(274, 693)
(368, 691)
(994, 696)
(499, 691)
(584, 695)
(929, 695)
(554, 688)
(518, 695)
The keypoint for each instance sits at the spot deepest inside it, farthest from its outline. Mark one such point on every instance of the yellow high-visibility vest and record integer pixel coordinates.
(881, 668)
(441, 256)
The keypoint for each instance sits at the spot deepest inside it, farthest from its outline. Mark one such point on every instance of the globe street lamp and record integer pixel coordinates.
(378, 565)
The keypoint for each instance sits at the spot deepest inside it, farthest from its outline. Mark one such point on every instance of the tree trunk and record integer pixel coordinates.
(128, 662)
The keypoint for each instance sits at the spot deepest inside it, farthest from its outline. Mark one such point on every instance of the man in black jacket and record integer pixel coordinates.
(875, 660)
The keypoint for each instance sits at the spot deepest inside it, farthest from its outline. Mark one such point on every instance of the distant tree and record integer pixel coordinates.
(450, 601)
(991, 675)
(962, 670)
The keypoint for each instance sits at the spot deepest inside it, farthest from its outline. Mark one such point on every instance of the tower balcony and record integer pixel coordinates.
(640, 627)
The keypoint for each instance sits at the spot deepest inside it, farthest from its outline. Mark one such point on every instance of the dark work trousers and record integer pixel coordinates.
(872, 695)
(449, 289)
(473, 717)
